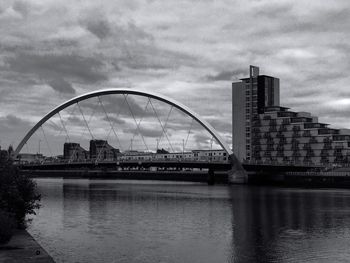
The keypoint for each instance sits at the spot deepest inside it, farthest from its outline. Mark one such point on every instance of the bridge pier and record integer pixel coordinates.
(211, 177)
(237, 174)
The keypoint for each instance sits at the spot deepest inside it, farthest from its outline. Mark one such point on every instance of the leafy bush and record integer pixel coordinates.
(18, 194)
(7, 224)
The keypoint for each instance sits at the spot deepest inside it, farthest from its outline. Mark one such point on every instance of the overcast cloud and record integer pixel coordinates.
(191, 51)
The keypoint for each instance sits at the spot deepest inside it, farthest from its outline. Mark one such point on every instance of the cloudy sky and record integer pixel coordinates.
(191, 51)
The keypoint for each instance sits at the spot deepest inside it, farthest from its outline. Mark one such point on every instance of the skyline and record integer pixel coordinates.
(55, 51)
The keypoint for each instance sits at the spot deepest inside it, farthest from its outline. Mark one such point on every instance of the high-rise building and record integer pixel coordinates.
(265, 132)
(250, 96)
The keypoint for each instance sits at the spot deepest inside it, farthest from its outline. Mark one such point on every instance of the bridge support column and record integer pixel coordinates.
(237, 174)
(211, 177)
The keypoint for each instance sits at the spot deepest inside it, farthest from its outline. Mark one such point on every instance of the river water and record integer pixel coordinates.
(153, 221)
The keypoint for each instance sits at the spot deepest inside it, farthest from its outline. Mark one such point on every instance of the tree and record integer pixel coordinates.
(18, 193)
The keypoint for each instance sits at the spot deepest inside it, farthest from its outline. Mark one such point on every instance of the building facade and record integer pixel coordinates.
(101, 150)
(74, 152)
(274, 134)
(250, 96)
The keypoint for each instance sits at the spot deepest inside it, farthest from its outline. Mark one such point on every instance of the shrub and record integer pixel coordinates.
(18, 194)
(7, 224)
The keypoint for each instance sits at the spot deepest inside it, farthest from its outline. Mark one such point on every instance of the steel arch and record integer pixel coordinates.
(153, 95)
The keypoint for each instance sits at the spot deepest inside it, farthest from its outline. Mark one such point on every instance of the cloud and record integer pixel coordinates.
(226, 75)
(146, 132)
(45, 66)
(99, 28)
(21, 7)
(61, 85)
(12, 129)
(114, 120)
(189, 54)
(11, 121)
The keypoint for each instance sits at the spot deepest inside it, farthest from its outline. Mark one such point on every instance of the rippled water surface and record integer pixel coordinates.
(139, 221)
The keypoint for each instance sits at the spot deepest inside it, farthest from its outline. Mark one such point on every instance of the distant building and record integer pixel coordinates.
(74, 152)
(195, 155)
(101, 150)
(263, 131)
(30, 158)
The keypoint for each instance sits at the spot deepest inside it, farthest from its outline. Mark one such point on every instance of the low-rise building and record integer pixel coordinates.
(101, 150)
(74, 152)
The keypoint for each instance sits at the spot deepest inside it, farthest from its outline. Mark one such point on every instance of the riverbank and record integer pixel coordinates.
(186, 176)
(339, 179)
(23, 248)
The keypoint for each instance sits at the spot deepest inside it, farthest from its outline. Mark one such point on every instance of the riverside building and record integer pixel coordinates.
(265, 132)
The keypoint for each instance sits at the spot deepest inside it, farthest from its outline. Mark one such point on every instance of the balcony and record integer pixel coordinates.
(257, 148)
(270, 140)
(280, 154)
(296, 154)
(256, 136)
(328, 146)
(273, 122)
(306, 134)
(270, 148)
(296, 134)
(327, 140)
(307, 146)
(280, 147)
(286, 121)
(280, 135)
(310, 153)
(256, 123)
(267, 117)
(313, 140)
(337, 153)
(296, 128)
(256, 142)
(282, 140)
(267, 154)
(294, 141)
(324, 154)
(267, 135)
(295, 147)
(282, 128)
(307, 160)
(273, 129)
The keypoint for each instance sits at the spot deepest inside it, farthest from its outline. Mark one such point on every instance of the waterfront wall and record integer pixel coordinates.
(220, 177)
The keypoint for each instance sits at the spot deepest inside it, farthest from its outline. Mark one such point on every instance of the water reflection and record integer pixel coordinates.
(125, 221)
(290, 225)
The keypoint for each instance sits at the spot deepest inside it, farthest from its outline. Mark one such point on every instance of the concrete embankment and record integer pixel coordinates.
(303, 179)
(23, 248)
(187, 176)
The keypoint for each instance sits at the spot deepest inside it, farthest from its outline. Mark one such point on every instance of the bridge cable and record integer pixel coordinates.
(82, 135)
(60, 128)
(47, 142)
(162, 127)
(139, 123)
(166, 123)
(110, 123)
(104, 144)
(112, 128)
(64, 127)
(69, 115)
(87, 125)
(188, 134)
(137, 126)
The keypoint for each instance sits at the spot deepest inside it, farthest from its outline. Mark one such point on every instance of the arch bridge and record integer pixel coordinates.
(236, 172)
